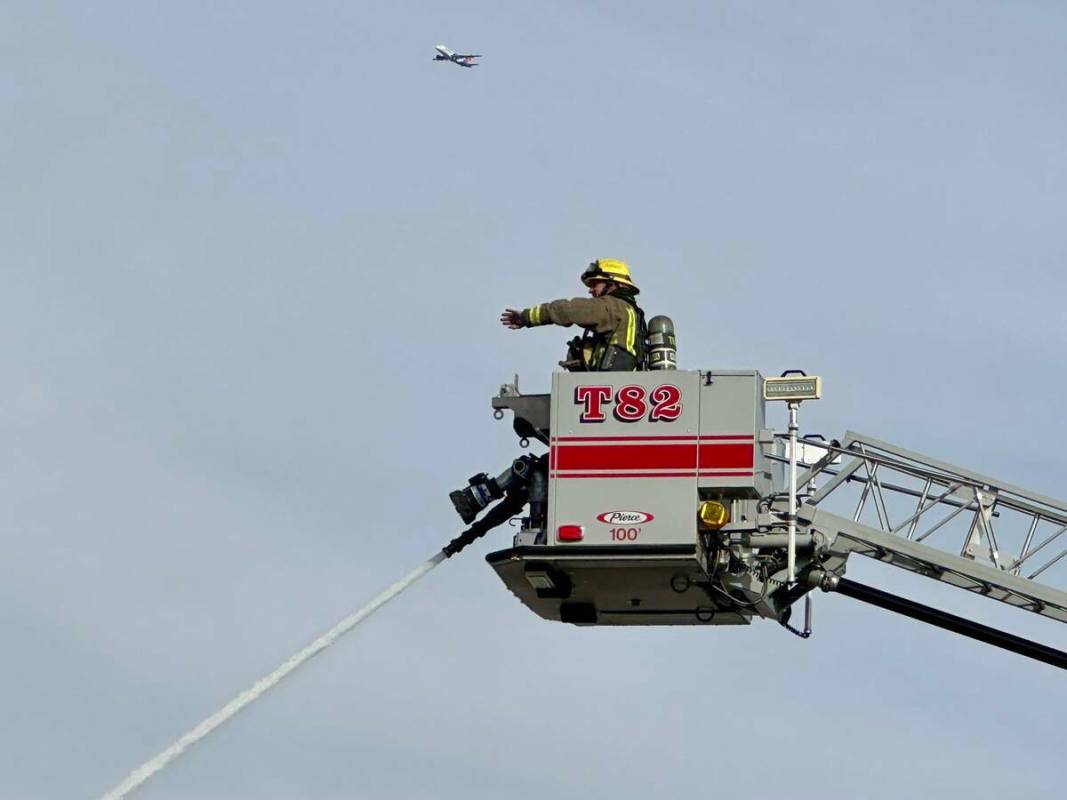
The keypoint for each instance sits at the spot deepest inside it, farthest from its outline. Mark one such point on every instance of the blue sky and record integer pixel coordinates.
(253, 260)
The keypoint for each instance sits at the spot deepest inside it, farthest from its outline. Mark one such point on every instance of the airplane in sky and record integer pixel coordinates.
(463, 59)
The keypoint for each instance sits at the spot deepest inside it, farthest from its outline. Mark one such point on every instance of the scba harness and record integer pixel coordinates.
(622, 350)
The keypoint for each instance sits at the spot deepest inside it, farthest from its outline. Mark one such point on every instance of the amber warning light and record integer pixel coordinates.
(713, 515)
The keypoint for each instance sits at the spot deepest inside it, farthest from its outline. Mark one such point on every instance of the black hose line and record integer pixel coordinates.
(499, 514)
(950, 622)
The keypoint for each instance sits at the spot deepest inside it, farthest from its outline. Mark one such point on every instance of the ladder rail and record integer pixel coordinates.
(1008, 531)
(847, 537)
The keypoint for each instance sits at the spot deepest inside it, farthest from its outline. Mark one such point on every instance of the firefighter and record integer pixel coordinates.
(614, 339)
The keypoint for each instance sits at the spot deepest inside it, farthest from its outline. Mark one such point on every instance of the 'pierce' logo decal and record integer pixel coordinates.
(624, 517)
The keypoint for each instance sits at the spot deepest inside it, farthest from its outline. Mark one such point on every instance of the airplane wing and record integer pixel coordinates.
(467, 55)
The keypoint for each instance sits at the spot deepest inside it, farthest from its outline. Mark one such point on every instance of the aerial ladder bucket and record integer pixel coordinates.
(665, 499)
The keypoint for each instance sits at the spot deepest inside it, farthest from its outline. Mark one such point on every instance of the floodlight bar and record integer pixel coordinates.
(792, 388)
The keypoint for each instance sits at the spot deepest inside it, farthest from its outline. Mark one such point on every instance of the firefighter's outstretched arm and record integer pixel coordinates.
(591, 313)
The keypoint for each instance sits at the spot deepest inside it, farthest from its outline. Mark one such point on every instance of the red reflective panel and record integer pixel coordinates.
(570, 533)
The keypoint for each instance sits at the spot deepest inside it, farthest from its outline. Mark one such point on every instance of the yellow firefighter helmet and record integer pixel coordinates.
(609, 269)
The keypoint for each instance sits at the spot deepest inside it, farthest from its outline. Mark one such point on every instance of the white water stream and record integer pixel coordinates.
(154, 765)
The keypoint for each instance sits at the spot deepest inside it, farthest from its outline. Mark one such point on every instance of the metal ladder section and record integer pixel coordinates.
(939, 520)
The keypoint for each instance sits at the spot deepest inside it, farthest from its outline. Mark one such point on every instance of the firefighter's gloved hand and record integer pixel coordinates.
(574, 361)
(512, 318)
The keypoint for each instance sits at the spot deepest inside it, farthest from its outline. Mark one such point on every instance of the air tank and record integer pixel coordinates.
(662, 347)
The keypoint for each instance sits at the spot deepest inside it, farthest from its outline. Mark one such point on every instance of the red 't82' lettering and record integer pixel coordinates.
(666, 403)
(593, 398)
(630, 404)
